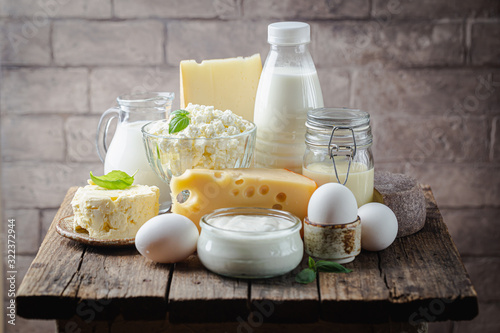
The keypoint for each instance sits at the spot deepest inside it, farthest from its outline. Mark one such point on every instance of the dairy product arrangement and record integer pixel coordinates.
(246, 216)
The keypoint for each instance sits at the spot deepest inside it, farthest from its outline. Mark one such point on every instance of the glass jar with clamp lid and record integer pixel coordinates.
(338, 149)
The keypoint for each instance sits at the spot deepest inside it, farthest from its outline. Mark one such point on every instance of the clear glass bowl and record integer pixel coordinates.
(170, 156)
(250, 254)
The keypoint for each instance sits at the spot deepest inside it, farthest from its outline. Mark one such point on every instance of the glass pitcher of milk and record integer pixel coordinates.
(126, 151)
(288, 88)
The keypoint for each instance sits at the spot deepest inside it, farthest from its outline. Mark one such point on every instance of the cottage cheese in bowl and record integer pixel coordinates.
(214, 139)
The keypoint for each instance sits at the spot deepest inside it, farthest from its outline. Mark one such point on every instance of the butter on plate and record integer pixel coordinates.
(114, 214)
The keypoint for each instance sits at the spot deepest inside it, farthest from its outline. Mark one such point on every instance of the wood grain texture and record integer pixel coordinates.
(419, 278)
(281, 299)
(67, 278)
(198, 295)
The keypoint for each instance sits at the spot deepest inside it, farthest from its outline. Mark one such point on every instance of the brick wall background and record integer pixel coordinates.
(428, 71)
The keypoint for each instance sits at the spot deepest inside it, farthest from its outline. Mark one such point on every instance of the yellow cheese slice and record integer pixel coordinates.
(267, 188)
(226, 84)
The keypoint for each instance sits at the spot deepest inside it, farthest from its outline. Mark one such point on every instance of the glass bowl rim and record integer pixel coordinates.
(297, 223)
(234, 136)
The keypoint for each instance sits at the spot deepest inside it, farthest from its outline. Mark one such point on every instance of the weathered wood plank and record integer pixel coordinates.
(197, 295)
(344, 296)
(418, 278)
(425, 276)
(51, 272)
(92, 282)
(281, 299)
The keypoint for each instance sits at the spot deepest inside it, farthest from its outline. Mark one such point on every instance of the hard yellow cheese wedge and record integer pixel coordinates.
(267, 188)
(227, 84)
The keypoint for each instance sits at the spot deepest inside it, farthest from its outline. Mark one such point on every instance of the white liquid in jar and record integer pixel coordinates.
(127, 153)
(283, 99)
(360, 180)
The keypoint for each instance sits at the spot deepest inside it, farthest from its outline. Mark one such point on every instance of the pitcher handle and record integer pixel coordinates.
(102, 147)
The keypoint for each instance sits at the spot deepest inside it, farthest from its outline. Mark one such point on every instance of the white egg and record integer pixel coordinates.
(379, 226)
(332, 203)
(167, 238)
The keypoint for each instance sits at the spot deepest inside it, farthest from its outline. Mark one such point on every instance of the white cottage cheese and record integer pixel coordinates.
(210, 141)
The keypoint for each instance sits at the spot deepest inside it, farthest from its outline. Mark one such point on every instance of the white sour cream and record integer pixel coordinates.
(251, 223)
(249, 243)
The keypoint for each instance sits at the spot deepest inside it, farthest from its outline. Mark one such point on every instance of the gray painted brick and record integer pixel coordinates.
(475, 231)
(485, 44)
(488, 320)
(459, 185)
(119, 43)
(80, 135)
(24, 44)
(177, 8)
(451, 93)
(33, 138)
(481, 271)
(298, 9)
(55, 8)
(27, 227)
(429, 9)
(201, 40)
(440, 327)
(430, 138)
(106, 84)
(495, 140)
(44, 90)
(46, 220)
(335, 85)
(387, 44)
(42, 185)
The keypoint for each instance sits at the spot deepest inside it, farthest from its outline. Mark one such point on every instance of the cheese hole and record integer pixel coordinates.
(249, 191)
(239, 182)
(183, 196)
(235, 192)
(277, 206)
(281, 197)
(217, 174)
(264, 189)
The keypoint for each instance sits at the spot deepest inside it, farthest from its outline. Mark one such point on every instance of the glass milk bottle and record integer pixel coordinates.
(338, 149)
(126, 151)
(288, 88)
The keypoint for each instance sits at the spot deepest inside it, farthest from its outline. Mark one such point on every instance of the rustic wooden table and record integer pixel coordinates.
(418, 279)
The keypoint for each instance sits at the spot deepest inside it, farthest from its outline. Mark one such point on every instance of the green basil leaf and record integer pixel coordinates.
(114, 180)
(331, 267)
(179, 112)
(306, 276)
(312, 264)
(179, 121)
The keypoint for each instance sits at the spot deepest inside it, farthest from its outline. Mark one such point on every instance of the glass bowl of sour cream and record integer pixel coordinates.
(248, 242)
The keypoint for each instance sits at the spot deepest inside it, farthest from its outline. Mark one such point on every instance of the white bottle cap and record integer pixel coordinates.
(288, 33)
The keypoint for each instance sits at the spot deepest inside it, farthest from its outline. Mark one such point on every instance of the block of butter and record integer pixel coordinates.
(114, 214)
(266, 188)
(227, 84)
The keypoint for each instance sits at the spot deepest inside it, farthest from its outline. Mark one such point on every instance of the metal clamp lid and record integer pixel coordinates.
(336, 150)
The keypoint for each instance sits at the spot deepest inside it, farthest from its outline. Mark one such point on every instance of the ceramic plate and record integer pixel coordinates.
(65, 228)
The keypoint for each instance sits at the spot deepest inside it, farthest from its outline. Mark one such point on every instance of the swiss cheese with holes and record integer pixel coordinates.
(266, 188)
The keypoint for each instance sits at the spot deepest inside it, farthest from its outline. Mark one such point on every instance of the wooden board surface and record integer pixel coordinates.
(418, 278)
